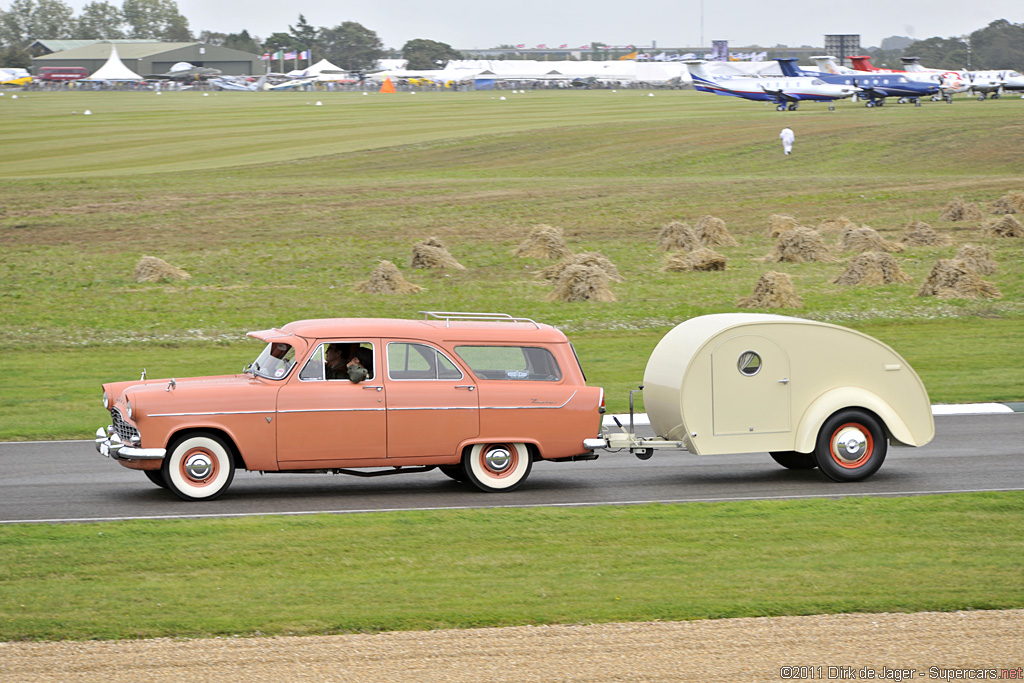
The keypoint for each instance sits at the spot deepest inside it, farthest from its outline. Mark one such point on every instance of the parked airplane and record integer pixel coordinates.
(950, 81)
(183, 71)
(994, 83)
(787, 93)
(874, 87)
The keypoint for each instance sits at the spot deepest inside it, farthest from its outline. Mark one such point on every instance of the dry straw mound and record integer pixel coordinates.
(955, 279)
(587, 258)
(153, 269)
(431, 253)
(920, 234)
(386, 279)
(977, 257)
(1011, 202)
(872, 268)
(831, 225)
(700, 259)
(866, 239)
(711, 232)
(798, 246)
(678, 235)
(959, 210)
(1007, 226)
(773, 290)
(544, 242)
(582, 283)
(779, 223)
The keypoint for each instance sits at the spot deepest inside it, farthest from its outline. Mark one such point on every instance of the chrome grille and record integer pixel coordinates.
(125, 431)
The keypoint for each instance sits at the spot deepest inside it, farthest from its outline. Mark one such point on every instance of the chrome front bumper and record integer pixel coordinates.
(108, 443)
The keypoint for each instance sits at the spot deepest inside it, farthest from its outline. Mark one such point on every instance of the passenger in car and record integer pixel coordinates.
(336, 360)
(364, 357)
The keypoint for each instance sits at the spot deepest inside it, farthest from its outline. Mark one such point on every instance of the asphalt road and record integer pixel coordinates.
(69, 481)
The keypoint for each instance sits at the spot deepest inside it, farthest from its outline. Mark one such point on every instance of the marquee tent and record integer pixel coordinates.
(114, 70)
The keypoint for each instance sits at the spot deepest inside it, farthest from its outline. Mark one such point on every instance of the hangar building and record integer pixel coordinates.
(149, 58)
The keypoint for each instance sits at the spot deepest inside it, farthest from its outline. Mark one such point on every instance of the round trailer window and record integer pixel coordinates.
(749, 363)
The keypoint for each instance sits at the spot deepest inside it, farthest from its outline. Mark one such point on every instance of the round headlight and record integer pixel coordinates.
(128, 407)
(106, 401)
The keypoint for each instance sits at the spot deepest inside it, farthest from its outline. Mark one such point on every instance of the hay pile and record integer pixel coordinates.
(386, 279)
(954, 279)
(866, 239)
(773, 290)
(798, 246)
(1011, 202)
(431, 253)
(580, 282)
(153, 269)
(920, 234)
(587, 258)
(840, 225)
(678, 235)
(779, 223)
(1007, 226)
(711, 232)
(700, 259)
(977, 257)
(959, 210)
(544, 242)
(872, 268)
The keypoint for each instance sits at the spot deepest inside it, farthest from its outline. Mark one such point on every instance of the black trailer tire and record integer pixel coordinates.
(851, 445)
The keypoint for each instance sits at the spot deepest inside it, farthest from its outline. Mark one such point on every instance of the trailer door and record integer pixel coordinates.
(750, 387)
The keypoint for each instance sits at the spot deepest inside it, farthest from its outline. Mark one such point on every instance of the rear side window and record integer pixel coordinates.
(511, 362)
(419, 361)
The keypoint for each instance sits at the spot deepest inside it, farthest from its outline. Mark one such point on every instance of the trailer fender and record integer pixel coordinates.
(848, 397)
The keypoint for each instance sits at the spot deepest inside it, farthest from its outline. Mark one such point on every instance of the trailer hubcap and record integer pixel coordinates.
(851, 445)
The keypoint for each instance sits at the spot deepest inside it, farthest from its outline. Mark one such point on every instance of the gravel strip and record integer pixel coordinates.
(919, 646)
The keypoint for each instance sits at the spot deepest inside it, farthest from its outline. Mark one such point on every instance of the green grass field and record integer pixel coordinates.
(277, 206)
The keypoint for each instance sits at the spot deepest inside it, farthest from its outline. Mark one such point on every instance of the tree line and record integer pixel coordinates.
(350, 45)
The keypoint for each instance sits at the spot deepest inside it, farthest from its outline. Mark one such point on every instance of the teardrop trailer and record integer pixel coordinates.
(811, 394)
(482, 396)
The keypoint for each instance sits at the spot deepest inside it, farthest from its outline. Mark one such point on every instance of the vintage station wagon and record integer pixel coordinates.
(479, 396)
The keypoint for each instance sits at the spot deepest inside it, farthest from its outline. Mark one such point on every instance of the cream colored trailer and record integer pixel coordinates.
(809, 393)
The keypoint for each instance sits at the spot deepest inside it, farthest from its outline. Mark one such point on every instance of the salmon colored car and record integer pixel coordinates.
(479, 396)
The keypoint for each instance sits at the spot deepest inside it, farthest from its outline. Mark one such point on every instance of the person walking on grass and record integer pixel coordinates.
(787, 140)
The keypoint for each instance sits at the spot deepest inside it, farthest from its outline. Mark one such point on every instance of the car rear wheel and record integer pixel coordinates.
(794, 461)
(199, 467)
(497, 466)
(157, 477)
(851, 446)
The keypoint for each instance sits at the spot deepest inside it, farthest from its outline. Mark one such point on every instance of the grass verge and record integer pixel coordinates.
(474, 568)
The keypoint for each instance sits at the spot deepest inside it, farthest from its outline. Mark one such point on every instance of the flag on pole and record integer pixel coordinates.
(563, 45)
(265, 56)
(277, 55)
(304, 54)
(290, 55)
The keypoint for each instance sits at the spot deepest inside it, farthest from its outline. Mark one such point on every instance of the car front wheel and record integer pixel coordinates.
(199, 467)
(851, 446)
(497, 466)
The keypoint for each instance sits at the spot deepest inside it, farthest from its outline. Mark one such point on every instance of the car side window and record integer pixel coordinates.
(511, 362)
(332, 361)
(407, 360)
(314, 368)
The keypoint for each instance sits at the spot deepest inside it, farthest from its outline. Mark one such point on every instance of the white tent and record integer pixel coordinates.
(114, 70)
(321, 71)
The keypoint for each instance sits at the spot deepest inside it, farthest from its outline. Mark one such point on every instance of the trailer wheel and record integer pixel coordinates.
(851, 446)
(794, 461)
(497, 466)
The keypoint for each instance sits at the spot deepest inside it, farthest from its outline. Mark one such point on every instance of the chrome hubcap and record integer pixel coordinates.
(198, 466)
(850, 444)
(498, 459)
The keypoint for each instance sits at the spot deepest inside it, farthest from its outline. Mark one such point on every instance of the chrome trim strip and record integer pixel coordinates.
(218, 412)
(531, 407)
(130, 453)
(333, 410)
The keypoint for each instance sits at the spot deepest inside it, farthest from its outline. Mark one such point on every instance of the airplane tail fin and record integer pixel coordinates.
(863, 63)
(826, 64)
(789, 67)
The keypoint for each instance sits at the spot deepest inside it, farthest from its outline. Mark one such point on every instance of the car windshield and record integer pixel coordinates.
(274, 362)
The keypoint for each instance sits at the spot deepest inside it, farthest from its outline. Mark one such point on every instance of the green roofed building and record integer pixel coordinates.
(151, 58)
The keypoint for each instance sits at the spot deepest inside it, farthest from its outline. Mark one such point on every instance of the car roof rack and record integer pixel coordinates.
(449, 316)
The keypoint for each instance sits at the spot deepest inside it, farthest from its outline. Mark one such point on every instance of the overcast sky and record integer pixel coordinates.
(668, 23)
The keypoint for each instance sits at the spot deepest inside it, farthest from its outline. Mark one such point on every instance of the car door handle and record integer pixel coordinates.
(784, 380)
(374, 388)
(471, 387)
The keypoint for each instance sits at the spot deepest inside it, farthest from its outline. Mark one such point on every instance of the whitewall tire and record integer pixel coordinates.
(199, 467)
(495, 467)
